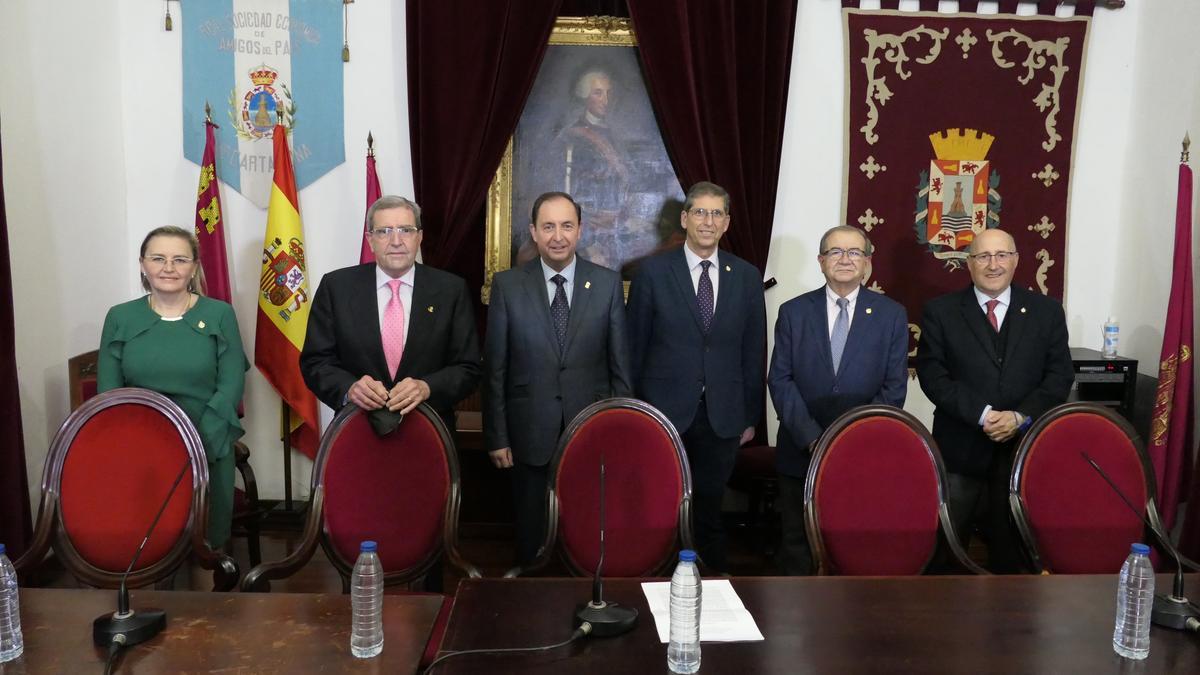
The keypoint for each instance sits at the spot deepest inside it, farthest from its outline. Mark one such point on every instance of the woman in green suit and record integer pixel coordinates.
(179, 343)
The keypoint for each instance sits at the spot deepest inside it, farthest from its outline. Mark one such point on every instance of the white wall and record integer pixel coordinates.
(89, 98)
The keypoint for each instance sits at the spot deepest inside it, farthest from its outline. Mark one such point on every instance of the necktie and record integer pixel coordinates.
(704, 296)
(393, 329)
(560, 311)
(841, 328)
(991, 306)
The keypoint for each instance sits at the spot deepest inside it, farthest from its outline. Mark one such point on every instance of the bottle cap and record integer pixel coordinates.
(368, 546)
(687, 555)
(1140, 549)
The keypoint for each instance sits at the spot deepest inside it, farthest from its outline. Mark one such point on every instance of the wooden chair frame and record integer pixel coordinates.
(258, 578)
(812, 516)
(50, 531)
(1016, 481)
(683, 522)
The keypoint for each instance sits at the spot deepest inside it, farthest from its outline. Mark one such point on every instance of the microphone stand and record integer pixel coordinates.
(126, 627)
(1172, 611)
(607, 619)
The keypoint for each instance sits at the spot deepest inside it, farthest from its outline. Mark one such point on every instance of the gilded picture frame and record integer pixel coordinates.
(607, 152)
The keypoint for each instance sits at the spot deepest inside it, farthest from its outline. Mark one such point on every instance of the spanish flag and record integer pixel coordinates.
(283, 303)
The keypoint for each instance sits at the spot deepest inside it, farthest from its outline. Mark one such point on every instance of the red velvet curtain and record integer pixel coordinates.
(471, 65)
(717, 72)
(15, 526)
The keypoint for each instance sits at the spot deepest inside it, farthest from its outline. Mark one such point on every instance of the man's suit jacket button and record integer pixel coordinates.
(558, 397)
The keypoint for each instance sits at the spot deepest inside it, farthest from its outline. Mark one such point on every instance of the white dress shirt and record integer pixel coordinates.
(832, 310)
(693, 262)
(568, 273)
(383, 294)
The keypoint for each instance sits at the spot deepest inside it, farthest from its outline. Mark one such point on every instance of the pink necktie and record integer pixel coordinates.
(393, 328)
(991, 314)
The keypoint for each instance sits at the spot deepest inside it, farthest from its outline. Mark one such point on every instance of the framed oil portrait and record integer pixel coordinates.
(588, 130)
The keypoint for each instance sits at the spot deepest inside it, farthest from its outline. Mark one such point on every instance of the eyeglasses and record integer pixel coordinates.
(855, 254)
(386, 232)
(703, 214)
(986, 258)
(162, 260)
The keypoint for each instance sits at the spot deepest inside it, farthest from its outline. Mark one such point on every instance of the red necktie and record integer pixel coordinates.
(991, 306)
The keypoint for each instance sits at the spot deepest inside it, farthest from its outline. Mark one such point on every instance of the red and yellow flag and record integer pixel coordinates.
(1170, 446)
(283, 302)
(374, 192)
(210, 225)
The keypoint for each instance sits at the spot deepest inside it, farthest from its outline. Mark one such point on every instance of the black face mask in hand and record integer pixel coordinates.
(384, 421)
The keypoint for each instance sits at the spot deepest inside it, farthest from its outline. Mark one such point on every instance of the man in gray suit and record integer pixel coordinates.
(555, 344)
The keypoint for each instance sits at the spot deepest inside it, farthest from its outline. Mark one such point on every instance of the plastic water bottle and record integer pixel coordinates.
(11, 642)
(683, 651)
(1135, 600)
(1112, 333)
(366, 602)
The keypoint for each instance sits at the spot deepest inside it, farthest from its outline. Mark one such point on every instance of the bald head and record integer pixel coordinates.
(992, 261)
(991, 241)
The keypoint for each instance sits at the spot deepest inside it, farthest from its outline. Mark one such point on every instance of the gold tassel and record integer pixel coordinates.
(346, 53)
(167, 22)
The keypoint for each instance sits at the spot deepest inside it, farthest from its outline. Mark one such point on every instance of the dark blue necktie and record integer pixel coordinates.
(704, 296)
(560, 310)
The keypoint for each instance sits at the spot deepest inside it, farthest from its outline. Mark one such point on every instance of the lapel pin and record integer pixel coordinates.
(200, 325)
(1022, 310)
(429, 309)
(728, 268)
(868, 310)
(587, 284)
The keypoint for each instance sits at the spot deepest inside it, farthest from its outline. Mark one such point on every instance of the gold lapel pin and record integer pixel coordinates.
(868, 310)
(200, 325)
(587, 284)
(728, 268)
(429, 309)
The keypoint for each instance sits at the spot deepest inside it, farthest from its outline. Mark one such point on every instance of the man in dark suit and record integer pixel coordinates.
(556, 344)
(993, 357)
(837, 347)
(388, 335)
(697, 324)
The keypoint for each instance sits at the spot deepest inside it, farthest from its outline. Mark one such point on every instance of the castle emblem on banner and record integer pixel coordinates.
(254, 114)
(957, 197)
(282, 282)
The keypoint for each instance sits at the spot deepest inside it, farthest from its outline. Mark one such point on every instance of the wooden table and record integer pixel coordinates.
(1011, 624)
(226, 632)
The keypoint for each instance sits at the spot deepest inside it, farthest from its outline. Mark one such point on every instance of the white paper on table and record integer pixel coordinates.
(723, 617)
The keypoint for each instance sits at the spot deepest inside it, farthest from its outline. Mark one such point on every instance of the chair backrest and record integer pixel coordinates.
(875, 493)
(648, 488)
(81, 377)
(1070, 518)
(110, 468)
(400, 490)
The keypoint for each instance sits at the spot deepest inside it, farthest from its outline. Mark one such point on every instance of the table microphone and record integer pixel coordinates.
(607, 619)
(126, 627)
(1172, 611)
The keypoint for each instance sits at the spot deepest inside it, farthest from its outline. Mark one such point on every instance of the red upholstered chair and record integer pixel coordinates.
(110, 467)
(875, 496)
(400, 490)
(247, 513)
(1070, 518)
(648, 491)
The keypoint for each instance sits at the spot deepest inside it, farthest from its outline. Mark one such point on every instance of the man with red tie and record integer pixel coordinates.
(993, 357)
(388, 335)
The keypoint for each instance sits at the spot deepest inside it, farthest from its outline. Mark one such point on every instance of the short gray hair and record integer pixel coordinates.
(849, 229)
(388, 202)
